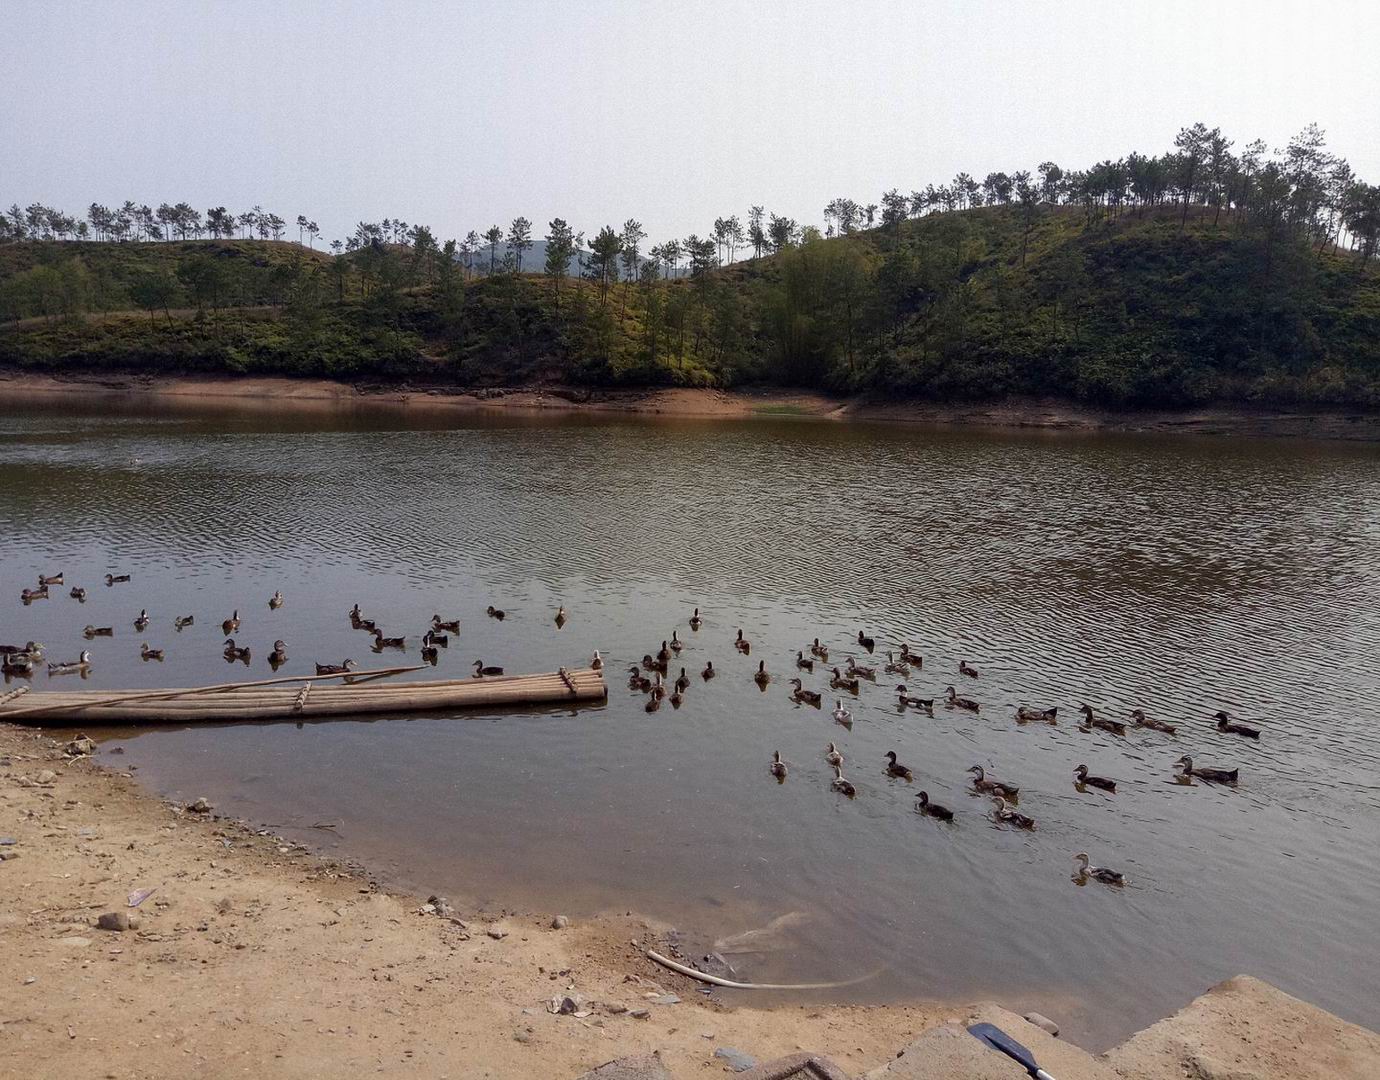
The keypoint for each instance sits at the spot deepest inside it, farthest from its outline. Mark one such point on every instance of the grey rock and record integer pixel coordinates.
(736, 1060)
(1042, 1021)
(118, 921)
(441, 906)
(498, 935)
(565, 1004)
(641, 1014)
(45, 776)
(635, 1067)
(522, 1036)
(666, 999)
(560, 922)
(200, 806)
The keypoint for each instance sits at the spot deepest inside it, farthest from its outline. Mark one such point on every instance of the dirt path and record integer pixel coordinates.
(255, 958)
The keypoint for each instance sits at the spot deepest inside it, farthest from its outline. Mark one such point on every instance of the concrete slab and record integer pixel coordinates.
(1245, 1029)
(948, 1052)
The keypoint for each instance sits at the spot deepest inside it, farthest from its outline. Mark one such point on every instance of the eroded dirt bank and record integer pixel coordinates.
(268, 393)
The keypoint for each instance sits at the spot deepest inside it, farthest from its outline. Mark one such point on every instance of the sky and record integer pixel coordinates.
(462, 115)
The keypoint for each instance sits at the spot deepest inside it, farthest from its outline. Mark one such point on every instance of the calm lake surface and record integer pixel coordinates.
(1176, 575)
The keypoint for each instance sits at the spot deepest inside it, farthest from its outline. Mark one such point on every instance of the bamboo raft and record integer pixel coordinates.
(298, 698)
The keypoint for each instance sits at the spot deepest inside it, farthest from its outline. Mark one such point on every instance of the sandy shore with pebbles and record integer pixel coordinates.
(142, 939)
(253, 957)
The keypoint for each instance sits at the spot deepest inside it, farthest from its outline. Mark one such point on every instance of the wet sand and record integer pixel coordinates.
(272, 392)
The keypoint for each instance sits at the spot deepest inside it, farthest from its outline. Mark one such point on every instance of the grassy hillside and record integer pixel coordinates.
(1138, 309)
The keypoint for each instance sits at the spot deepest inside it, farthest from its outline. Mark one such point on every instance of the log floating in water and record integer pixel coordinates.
(271, 699)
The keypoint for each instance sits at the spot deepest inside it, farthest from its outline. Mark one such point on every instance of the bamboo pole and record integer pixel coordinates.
(265, 700)
(127, 697)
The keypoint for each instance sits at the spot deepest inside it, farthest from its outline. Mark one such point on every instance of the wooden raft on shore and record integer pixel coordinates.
(298, 697)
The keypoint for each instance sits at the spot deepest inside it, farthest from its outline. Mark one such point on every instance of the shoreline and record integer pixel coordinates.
(249, 954)
(196, 392)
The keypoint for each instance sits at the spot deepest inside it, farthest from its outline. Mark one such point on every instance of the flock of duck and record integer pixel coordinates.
(650, 678)
(23, 661)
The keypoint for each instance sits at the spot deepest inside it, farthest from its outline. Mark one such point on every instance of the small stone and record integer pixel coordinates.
(640, 1014)
(616, 1008)
(560, 922)
(427, 909)
(30, 980)
(1042, 1021)
(81, 746)
(45, 776)
(566, 1005)
(118, 921)
(737, 1061)
(441, 906)
(498, 935)
(199, 806)
(522, 1036)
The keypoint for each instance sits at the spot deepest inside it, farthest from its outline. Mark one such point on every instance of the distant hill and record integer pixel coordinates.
(1129, 307)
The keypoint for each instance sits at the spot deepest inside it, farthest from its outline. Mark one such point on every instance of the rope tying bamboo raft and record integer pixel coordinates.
(18, 691)
(279, 698)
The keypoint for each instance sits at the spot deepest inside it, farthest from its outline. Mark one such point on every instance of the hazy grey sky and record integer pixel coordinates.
(461, 115)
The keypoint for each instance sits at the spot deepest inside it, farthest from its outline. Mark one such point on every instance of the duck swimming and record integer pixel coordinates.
(1115, 727)
(682, 683)
(1100, 873)
(98, 631)
(146, 654)
(802, 663)
(911, 658)
(496, 613)
(866, 642)
(1081, 777)
(695, 621)
(1139, 718)
(596, 662)
(838, 682)
(833, 755)
(233, 652)
(778, 767)
(480, 670)
(638, 681)
(28, 596)
(451, 626)
(183, 621)
(54, 579)
(142, 621)
(115, 579)
(81, 665)
(857, 671)
(78, 594)
(1037, 716)
(896, 769)
(956, 702)
(981, 782)
(278, 657)
(676, 643)
(1212, 776)
(742, 644)
(708, 672)
(761, 678)
(560, 616)
(335, 669)
(275, 601)
(1228, 726)
(230, 625)
(13, 665)
(964, 669)
(381, 642)
(806, 697)
(820, 652)
(665, 654)
(842, 715)
(432, 640)
(905, 700)
(1005, 814)
(895, 667)
(842, 786)
(934, 810)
